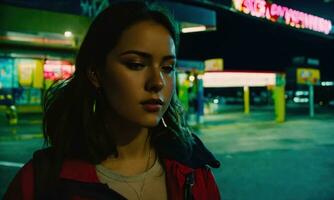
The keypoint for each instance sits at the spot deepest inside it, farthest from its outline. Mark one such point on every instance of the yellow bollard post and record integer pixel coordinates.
(279, 101)
(246, 100)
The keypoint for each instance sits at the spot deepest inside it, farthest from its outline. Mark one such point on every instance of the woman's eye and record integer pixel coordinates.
(168, 68)
(135, 66)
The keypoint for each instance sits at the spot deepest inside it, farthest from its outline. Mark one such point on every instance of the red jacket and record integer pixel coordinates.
(204, 186)
(187, 176)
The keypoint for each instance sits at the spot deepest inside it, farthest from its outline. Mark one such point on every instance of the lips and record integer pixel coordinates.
(153, 101)
(152, 105)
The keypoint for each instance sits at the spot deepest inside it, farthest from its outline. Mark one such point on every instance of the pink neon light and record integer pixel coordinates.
(262, 9)
(259, 8)
(58, 69)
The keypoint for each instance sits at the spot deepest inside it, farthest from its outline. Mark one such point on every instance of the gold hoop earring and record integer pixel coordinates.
(163, 122)
(98, 93)
(94, 106)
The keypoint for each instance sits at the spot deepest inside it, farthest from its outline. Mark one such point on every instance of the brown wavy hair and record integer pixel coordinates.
(70, 126)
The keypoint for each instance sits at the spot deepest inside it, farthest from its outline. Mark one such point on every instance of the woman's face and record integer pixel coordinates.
(139, 78)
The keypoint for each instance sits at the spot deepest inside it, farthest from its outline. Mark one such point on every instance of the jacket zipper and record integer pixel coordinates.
(188, 186)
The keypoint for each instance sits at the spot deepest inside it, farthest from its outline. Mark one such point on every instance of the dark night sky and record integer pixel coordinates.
(247, 43)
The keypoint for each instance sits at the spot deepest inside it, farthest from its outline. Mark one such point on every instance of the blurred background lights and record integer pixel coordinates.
(327, 83)
(300, 100)
(300, 93)
(191, 78)
(193, 29)
(68, 34)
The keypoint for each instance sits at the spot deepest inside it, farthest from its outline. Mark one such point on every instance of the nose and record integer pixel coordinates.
(155, 81)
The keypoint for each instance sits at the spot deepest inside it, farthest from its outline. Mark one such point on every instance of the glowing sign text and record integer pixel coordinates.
(274, 12)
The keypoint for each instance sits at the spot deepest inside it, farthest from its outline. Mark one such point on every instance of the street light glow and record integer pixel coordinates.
(68, 34)
(193, 29)
(238, 79)
(191, 78)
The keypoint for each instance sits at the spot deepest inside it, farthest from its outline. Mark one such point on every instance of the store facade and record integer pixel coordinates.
(39, 43)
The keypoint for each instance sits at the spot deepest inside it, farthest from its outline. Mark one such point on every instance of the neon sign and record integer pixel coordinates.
(277, 13)
(58, 70)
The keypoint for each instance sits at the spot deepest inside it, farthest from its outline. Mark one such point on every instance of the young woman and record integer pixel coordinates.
(116, 129)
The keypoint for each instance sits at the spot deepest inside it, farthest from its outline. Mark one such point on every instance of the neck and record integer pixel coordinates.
(137, 147)
(135, 154)
(132, 141)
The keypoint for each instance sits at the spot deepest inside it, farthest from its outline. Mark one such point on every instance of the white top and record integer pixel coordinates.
(150, 185)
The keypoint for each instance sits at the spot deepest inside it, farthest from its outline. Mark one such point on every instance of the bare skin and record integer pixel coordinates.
(140, 67)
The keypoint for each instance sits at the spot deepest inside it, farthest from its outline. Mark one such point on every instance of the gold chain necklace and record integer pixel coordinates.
(140, 195)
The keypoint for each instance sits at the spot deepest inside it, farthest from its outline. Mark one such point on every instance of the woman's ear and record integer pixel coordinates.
(93, 77)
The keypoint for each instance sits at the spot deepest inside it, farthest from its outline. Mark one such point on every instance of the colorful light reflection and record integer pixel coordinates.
(238, 79)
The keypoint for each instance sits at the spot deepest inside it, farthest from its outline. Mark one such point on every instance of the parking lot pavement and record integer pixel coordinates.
(265, 160)
(29, 127)
(13, 154)
(260, 158)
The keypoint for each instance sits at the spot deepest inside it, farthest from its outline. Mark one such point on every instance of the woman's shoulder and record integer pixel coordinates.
(201, 155)
(72, 169)
(203, 183)
(180, 167)
(22, 185)
(25, 175)
(79, 170)
(196, 157)
(26, 172)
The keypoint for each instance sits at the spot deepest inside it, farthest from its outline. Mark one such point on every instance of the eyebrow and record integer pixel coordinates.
(146, 55)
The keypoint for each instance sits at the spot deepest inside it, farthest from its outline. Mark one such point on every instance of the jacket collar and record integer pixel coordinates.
(196, 157)
(170, 150)
(84, 171)
(79, 170)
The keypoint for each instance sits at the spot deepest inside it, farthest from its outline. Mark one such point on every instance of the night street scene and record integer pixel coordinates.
(255, 79)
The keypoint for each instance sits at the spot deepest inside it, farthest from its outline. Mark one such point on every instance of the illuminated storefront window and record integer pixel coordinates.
(26, 78)
(58, 70)
(8, 73)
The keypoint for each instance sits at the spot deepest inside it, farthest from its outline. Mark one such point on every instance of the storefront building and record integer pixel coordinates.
(38, 47)
(39, 40)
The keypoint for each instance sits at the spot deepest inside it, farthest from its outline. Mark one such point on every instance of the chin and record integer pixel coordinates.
(149, 123)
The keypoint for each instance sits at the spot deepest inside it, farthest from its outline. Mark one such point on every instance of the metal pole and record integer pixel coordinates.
(246, 100)
(279, 102)
(311, 99)
(200, 99)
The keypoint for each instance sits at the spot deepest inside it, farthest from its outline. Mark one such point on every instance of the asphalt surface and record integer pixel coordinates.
(265, 160)
(260, 158)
